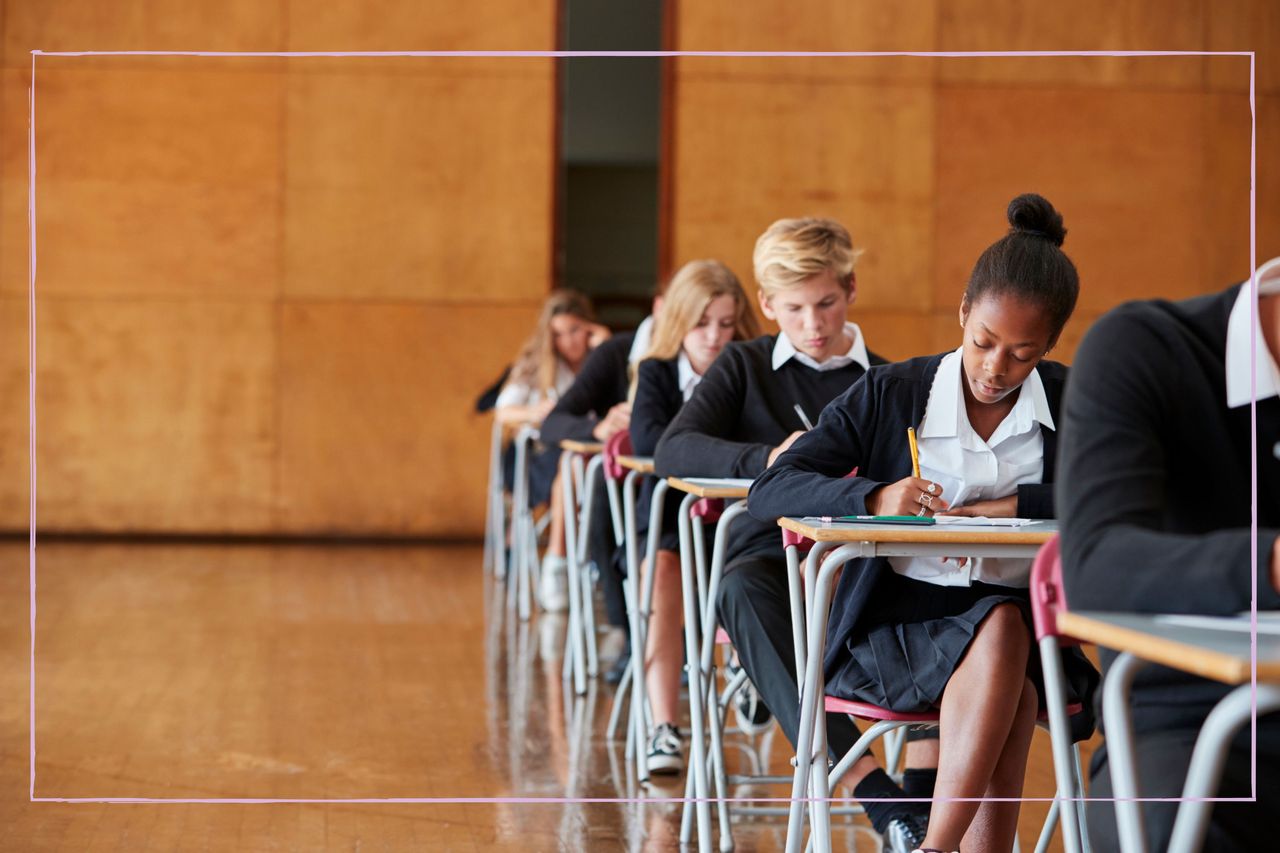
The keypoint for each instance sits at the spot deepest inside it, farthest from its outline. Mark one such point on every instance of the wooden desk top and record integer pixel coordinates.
(852, 531)
(586, 448)
(643, 464)
(1191, 645)
(710, 487)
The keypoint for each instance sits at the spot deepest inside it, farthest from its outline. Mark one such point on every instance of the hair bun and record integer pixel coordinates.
(1033, 215)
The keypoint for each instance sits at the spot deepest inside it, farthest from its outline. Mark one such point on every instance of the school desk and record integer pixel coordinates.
(1209, 647)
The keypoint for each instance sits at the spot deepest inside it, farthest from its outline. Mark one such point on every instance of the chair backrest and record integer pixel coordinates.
(1048, 598)
(708, 509)
(619, 444)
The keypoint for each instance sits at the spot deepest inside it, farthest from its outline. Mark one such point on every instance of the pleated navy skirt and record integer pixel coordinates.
(912, 635)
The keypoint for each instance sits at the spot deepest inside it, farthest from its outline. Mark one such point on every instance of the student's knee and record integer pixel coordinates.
(1005, 627)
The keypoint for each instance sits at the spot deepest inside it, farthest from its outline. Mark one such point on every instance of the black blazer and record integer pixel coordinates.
(1155, 492)
(866, 428)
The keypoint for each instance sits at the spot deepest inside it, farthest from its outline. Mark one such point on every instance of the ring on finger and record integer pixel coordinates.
(932, 486)
(921, 513)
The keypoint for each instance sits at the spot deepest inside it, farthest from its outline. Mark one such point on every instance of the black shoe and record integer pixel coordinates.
(613, 675)
(905, 833)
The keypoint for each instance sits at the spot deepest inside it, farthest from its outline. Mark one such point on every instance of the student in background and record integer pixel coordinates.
(595, 408)
(741, 417)
(704, 308)
(926, 633)
(1155, 497)
(543, 370)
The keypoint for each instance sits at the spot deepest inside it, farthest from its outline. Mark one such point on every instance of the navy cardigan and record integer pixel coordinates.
(866, 427)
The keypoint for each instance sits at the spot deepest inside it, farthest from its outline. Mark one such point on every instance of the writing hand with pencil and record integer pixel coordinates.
(908, 496)
(912, 495)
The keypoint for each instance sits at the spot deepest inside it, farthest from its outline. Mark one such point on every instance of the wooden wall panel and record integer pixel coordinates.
(191, 209)
(1146, 157)
(415, 192)
(831, 26)
(377, 435)
(1244, 25)
(789, 151)
(239, 25)
(382, 25)
(1124, 168)
(176, 196)
(152, 414)
(975, 25)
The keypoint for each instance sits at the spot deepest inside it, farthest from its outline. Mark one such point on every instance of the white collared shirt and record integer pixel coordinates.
(1243, 324)
(519, 394)
(686, 377)
(640, 343)
(969, 469)
(784, 350)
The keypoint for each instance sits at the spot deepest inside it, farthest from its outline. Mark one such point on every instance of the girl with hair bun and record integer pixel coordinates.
(938, 634)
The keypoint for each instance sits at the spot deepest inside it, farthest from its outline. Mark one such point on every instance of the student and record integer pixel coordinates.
(705, 307)
(927, 633)
(544, 370)
(1155, 496)
(595, 408)
(740, 418)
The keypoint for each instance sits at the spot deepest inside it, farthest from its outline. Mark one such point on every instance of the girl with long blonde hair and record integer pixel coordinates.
(704, 308)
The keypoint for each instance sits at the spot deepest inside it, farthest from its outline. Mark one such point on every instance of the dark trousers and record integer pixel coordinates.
(1162, 760)
(755, 612)
(602, 549)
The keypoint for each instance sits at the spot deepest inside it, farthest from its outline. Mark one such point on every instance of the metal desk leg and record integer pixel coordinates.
(697, 688)
(706, 661)
(576, 647)
(1060, 737)
(1208, 758)
(594, 470)
(1120, 753)
(811, 702)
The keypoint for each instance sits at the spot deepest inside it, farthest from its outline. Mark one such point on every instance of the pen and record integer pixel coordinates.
(804, 419)
(915, 452)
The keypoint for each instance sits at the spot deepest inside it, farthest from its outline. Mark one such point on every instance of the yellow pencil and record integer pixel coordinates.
(915, 452)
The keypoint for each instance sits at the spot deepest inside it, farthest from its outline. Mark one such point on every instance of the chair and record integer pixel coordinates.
(812, 775)
(1047, 600)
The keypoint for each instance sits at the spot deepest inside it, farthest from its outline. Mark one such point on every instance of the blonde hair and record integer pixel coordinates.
(694, 286)
(792, 250)
(535, 365)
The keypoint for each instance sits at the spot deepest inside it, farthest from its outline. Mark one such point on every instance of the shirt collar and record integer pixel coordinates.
(686, 377)
(945, 405)
(784, 351)
(1243, 354)
(640, 343)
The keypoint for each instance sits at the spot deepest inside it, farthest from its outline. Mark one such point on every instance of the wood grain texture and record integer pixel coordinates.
(176, 197)
(824, 26)
(76, 25)
(153, 415)
(749, 153)
(376, 430)
(1125, 168)
(1101, 25)
(221, 671)
(405, 187)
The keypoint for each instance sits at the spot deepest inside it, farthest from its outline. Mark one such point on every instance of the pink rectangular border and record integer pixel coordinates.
(31, 320)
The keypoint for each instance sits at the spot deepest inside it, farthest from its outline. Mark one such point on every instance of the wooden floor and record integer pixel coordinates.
(317, 672)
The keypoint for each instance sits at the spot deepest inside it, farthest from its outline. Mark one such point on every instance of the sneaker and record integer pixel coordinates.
(553, 584)
(905, 833)
(749, 710)
(664, 750)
